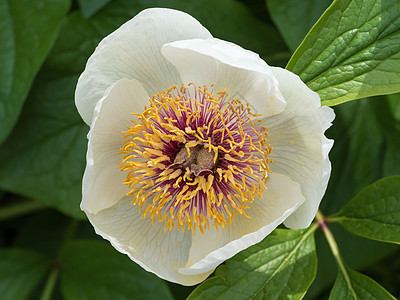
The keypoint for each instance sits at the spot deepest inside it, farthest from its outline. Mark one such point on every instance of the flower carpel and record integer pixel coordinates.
(198, 159)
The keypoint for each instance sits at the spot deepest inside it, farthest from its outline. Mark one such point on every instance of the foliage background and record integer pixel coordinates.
(48, 249)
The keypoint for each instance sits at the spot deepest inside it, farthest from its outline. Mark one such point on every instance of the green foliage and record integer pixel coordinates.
(295, 18)
(94, 270)
(353, 285)
(359, 253)
(20, 271)
(90, 7)
(375, 211)
(226, 19)
(51, 232)
(45, 156)
(365, 134)
(28, 30)
(352, 52)
(272, 267)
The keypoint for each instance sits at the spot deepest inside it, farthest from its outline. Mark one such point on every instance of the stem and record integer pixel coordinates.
(331, 240)
(333, 219)
(50, 284)
(73, 225)
(335, 250)
(52, 279)
(20, 208)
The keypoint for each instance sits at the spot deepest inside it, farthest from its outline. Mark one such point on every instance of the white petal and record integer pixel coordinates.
(208, 250)
(103, 181)
(162, 253)
(242, 73)
(133, 51)
(300, 149)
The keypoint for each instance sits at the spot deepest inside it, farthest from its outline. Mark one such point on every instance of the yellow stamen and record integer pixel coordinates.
(194, 189)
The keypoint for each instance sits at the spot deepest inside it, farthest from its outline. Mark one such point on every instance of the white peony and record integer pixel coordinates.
(197, 148)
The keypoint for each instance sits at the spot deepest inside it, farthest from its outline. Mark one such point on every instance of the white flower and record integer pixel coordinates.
(197, 148)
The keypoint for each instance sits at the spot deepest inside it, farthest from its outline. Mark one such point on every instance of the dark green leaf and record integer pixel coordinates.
(28, 30)
(226, 19)
(282, 266)
(352, 52)
(94, 270)
(362, 141)
(44, 158)
(20, 271)
(365, 133)
(375, 211)
(360, 253)
(90, 7)
(389, 117)
(394, 101)
(295, 18)
(353, 285)
(44, 237)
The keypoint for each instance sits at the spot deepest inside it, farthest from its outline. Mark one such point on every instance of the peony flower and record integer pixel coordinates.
(197, 148)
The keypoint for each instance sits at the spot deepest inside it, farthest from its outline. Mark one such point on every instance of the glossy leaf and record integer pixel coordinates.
(295, 18)
(352, 52)
(45, 156)
(20, 272)
(94, 270)
(268, 270)
(375, 211)
(353, 285)
(28, 30)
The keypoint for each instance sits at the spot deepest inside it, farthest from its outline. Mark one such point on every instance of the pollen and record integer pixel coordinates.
(194, 158)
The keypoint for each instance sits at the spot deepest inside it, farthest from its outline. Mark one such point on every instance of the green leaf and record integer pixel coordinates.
(294, 18)
(44, 158)
(374, 212)
(226, 19)
(359, 252)
(20, 272)
(394, 101)
(282, 266)
(352, 52)
(51, 235)
(353, 285)
(90, 7)
(94, 270)
(364, 133)
(28, 30)
(389, 117)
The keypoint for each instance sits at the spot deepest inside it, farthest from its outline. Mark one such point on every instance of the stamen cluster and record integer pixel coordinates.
(193, 157)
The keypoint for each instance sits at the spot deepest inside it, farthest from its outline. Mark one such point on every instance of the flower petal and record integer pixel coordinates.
(242, 73)
(300, 149)
(103, 181)
(133, 51)
(158, 251)
(282, 197)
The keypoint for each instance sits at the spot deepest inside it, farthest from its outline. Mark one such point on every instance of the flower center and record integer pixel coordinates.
(198, 159)
(193, 157)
